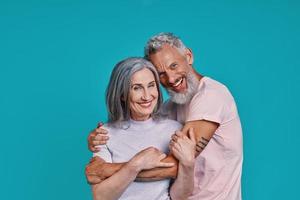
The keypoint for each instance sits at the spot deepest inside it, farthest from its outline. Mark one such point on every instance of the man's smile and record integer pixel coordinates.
(179, 85)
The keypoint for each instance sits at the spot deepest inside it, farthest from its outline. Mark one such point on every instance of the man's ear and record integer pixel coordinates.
(189, 56)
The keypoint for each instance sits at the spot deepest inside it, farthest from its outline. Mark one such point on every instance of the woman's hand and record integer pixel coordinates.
(183, 147)
(149, 158)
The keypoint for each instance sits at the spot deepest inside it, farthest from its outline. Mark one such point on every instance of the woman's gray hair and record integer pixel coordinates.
(117, 92)
(156, 42)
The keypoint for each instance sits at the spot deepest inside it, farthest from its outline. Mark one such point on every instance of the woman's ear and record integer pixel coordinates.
(122, 98)
(189, 56)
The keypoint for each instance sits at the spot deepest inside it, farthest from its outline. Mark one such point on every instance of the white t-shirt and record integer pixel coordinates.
(125, 143)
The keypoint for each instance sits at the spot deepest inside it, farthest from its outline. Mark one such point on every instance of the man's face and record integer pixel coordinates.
(173, 67)
(176, 73)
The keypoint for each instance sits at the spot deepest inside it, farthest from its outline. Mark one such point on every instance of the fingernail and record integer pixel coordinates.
(99, 124)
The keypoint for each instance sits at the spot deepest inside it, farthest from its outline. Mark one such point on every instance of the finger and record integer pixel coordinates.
(100, 124)
(171, 142)
(192, 134)
(92, 135)
(163, 164)
(174, 137)
(97, 142)
(178, 133)
(93, 148)
(100, 137)
(92, 179)
(175, 152)
(176, 147)
(96, 149)
(162, 156)
(101, 131)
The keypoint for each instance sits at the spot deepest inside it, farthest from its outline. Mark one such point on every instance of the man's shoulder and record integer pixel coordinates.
(210, 89)
(213, 85)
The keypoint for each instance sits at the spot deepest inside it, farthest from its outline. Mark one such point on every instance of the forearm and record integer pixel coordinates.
(106, 170)
(109, 169)
(159, 173)
(184, 183)
(113, 187)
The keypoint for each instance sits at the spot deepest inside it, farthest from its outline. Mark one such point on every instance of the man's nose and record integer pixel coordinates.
(171, 77)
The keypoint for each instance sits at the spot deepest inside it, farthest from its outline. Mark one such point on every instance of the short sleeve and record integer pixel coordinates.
(104, 153)
(209, 105)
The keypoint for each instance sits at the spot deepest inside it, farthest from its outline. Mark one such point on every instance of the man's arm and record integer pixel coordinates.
(113, 187)
(98, 170)
(203, 130)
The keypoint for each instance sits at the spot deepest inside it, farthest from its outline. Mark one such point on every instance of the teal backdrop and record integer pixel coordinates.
(56, 58)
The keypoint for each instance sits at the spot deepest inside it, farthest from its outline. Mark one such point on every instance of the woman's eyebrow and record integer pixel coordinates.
(151, 82)
(137, 84)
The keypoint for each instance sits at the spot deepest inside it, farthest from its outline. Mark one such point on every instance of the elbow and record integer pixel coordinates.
(183, 196)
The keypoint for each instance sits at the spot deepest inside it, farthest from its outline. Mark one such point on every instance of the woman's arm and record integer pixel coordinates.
(183, 148)
(113, 187)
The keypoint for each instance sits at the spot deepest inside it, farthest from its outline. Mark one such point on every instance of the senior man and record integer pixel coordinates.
(197, 102)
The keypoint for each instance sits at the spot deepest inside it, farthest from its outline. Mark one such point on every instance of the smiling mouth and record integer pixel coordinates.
(146, 104)
(178, 82)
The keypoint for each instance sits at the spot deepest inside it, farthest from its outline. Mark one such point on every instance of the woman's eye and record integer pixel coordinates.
(136, 88)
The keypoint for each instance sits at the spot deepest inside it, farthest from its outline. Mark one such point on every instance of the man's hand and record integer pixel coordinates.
(183, 147)
(93, 171)
(97, 137)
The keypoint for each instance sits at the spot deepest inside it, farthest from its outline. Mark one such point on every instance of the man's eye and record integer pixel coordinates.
(173, 66)
(161, 75)
(152, 85)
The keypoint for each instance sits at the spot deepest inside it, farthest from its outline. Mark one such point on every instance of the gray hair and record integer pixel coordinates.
(117, 92)
(156, 42)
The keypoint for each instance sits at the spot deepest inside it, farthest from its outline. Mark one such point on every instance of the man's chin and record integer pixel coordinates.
(178, 97)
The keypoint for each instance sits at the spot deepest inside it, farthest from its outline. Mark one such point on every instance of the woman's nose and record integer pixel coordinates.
(146, 95)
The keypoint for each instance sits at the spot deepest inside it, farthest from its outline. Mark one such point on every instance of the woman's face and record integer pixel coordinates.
(143, 95)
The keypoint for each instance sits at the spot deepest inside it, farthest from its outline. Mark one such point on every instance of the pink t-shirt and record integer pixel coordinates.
(219, 166)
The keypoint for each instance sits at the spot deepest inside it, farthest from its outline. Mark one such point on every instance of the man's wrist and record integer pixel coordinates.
(190, 163)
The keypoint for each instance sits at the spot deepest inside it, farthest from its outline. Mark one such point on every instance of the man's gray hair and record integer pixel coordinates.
(117, 92)
(156, 42)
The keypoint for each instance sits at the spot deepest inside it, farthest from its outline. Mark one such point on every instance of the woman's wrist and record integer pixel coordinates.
(135, 165)
(188, 162)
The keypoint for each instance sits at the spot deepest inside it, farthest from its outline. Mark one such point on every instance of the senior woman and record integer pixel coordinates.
(139, 136)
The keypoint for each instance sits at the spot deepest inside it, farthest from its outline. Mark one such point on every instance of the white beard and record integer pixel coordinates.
(192, 87)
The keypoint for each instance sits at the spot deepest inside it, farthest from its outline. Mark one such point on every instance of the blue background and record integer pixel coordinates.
(55, 61)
